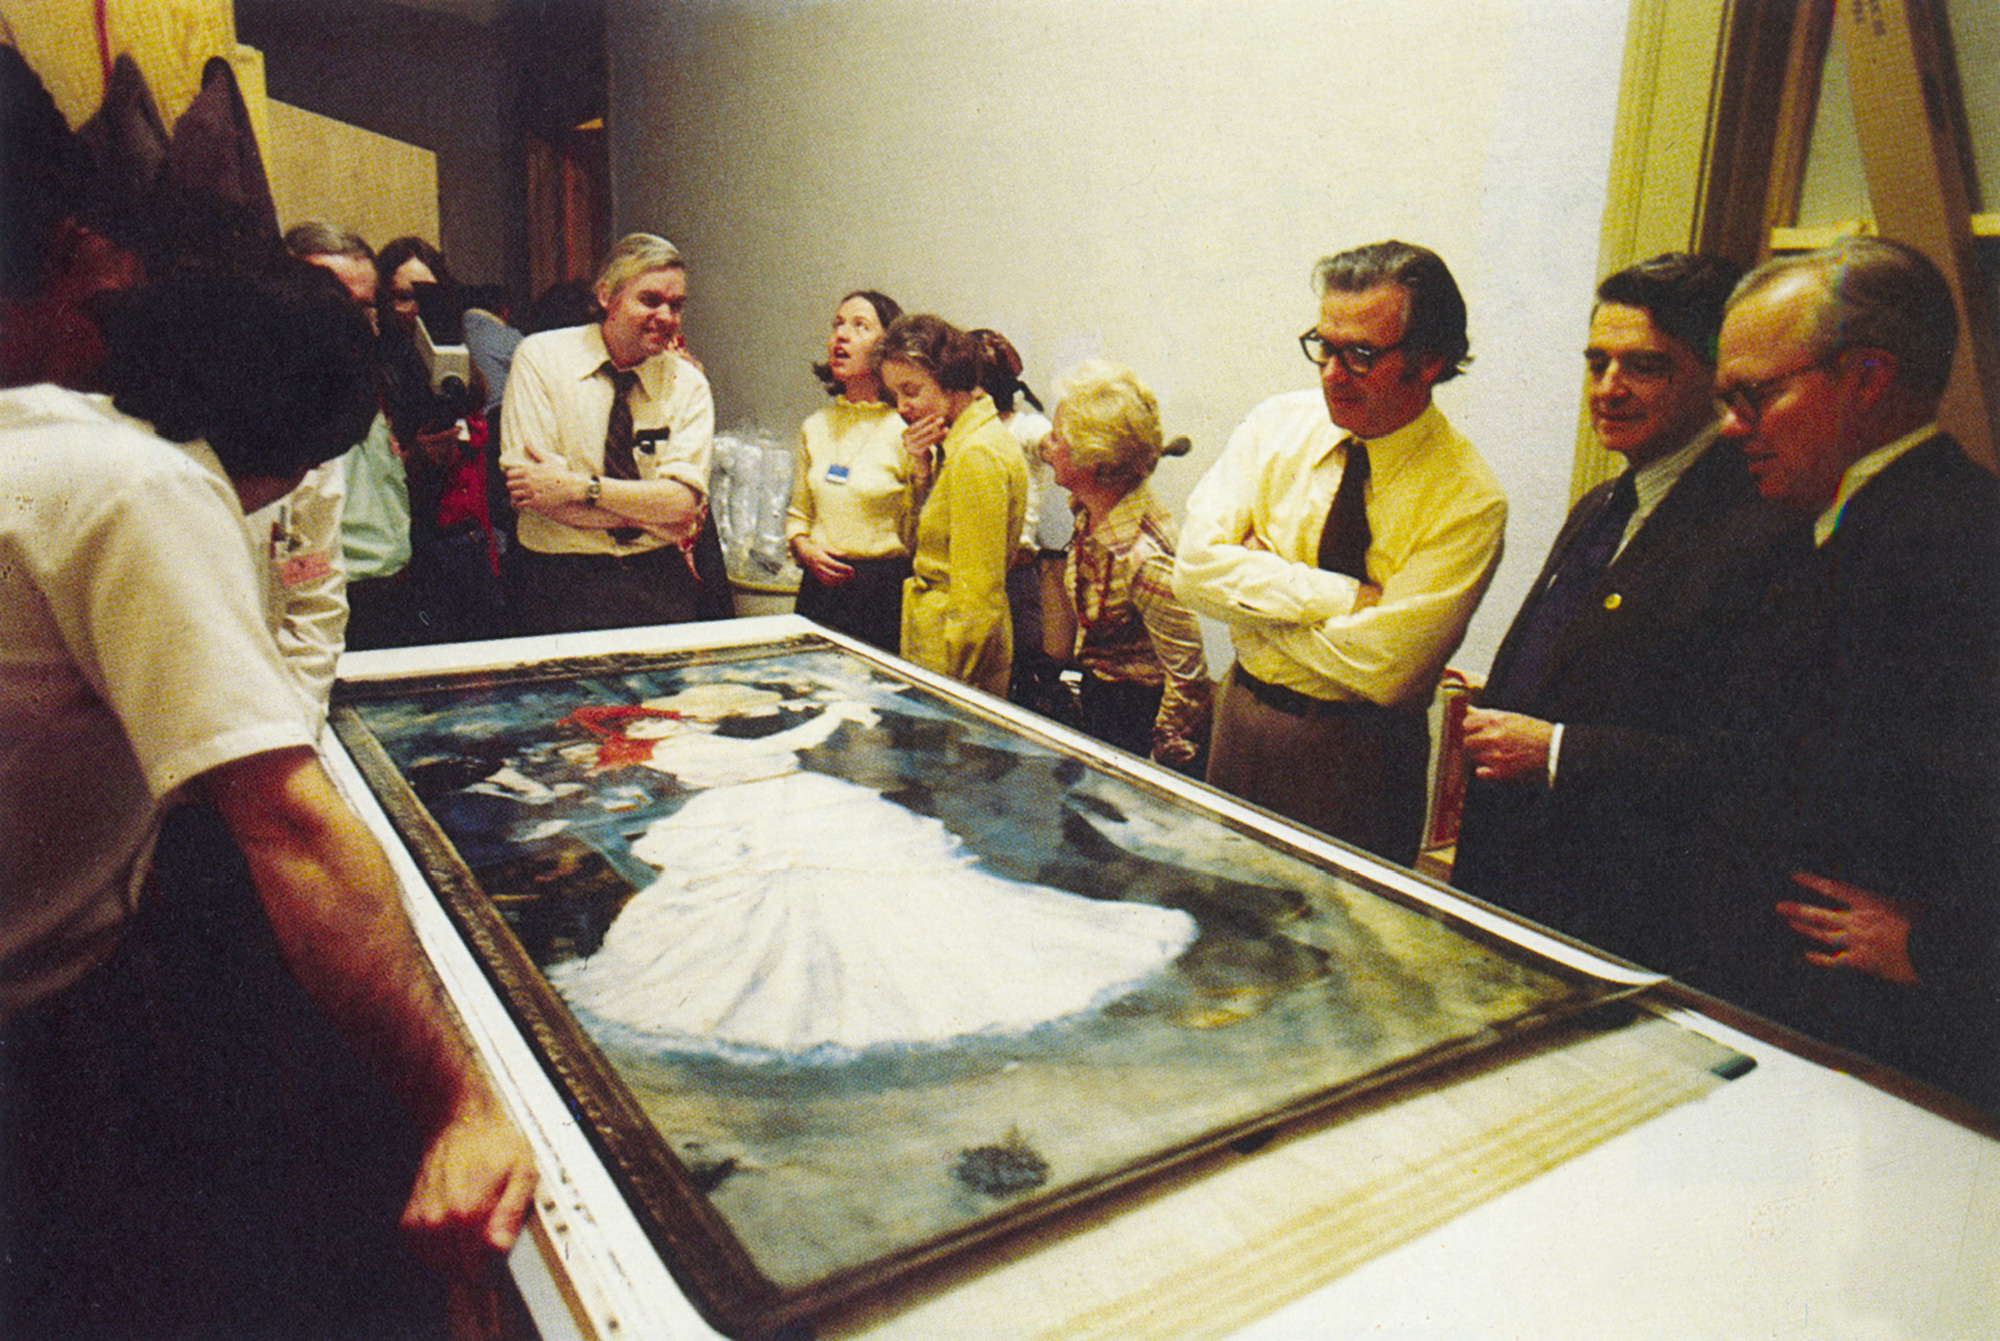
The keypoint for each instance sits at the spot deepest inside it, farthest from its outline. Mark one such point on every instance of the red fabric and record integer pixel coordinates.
(464, 496)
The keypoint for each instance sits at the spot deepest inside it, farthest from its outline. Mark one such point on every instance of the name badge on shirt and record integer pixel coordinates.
(650, 440)
(836, 473)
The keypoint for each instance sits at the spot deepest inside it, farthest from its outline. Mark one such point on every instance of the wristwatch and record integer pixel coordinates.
(593, 491)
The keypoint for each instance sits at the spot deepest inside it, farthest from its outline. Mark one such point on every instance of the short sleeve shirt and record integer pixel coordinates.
(134, 657)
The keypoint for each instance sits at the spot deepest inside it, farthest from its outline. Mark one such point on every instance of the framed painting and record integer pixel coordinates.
(847, 969)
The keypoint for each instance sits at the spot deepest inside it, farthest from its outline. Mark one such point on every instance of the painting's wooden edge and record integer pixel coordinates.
(693, 1241)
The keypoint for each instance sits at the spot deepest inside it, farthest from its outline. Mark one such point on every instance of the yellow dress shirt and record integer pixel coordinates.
(558, 400)
(1249, 552)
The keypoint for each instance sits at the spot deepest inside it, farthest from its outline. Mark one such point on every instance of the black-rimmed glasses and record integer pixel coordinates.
(1747, 402)
(1359, 360)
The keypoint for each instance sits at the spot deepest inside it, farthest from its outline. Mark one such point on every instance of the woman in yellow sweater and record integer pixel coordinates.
(975, 483)
(853, 488)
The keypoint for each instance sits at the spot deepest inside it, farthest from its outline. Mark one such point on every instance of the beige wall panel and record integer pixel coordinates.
(1664, 98)
(326, 169)
(169, 39)
(1144, 182)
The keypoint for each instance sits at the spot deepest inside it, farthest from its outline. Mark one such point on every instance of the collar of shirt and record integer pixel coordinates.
(1656, 479)
(1862, 471)
(1120, 528)
(204, 456)
(1390, 452)
(656, 374)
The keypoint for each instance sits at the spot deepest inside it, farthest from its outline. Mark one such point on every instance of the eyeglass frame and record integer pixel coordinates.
(1747, 402)
(1370, 355)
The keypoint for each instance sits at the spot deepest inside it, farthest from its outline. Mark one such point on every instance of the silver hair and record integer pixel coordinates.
(314, 237)
(1111, 422)
(1874, 293)
(637, 254)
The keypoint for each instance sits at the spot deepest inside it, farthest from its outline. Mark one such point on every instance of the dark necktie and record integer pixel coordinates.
(619, 460)
(1583, 562)
(1343, 541)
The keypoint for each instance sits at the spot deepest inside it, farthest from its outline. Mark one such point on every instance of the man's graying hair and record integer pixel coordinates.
(1437, 309)
(314, 238)
(637, 254)
(1875, 294)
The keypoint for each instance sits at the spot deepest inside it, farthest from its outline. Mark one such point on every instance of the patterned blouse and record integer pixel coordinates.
(1131, 627)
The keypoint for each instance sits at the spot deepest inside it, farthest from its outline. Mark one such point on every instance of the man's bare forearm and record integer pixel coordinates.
(333, 903)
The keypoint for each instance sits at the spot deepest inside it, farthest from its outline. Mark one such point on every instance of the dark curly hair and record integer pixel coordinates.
(273, 368)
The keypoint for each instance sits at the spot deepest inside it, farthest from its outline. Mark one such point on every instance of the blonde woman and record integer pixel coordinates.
(1145, 682)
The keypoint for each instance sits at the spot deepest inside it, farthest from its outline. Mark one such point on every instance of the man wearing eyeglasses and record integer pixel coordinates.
(1851, 885)
(1586, 776)
(1346, 538)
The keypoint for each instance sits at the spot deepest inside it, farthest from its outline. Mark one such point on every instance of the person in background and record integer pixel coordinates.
(1346, 538)
(1589, 768)
(852, 487)
(1145, 682)
(375, 506)
(1034, 670)
(443, 434)
(974, 486)
(608, 436)
(491, 339)
(568, 302)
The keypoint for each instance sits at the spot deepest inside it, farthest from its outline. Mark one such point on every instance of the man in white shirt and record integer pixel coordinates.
(136, 667)
(1346, 538)
(607, 439)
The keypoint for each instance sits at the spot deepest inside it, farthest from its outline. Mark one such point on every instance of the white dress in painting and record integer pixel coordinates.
(802, 915)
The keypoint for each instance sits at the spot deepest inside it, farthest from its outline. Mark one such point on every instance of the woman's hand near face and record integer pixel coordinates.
(920, 440)
(830, 571)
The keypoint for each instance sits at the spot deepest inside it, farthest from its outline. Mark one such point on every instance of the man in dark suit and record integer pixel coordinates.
(1586, 772)
(1851, 878)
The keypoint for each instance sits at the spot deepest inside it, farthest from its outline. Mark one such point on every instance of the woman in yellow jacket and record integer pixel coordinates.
(975, 485)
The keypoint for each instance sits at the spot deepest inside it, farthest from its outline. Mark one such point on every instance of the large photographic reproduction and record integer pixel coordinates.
(847, 970)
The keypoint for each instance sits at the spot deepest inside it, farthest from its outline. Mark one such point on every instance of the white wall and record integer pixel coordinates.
(1149, 180)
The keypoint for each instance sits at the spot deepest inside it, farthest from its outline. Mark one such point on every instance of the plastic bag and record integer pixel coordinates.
(748, 492)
